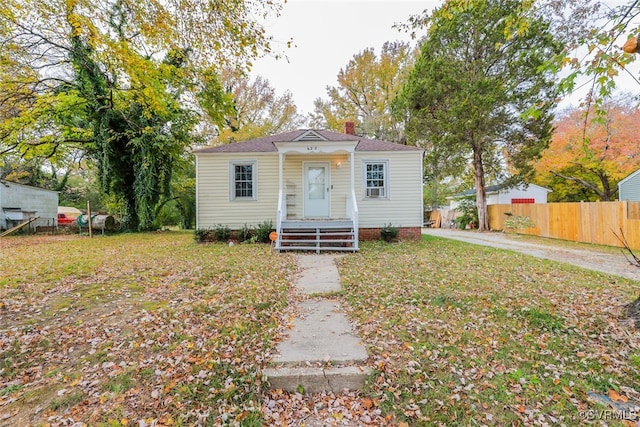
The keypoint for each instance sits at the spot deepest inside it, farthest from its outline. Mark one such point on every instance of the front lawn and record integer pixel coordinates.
(468, 335)
(154, 329)
(136, 327)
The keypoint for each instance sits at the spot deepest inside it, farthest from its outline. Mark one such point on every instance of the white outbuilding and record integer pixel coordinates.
(19, 203)
(629, 188)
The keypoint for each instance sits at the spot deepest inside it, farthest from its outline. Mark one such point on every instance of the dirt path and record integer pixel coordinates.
(593, 259)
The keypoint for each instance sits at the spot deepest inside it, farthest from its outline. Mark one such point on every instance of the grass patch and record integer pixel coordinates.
(11, 389)
(119, 383)
(540, 318)
(67, 400)
(153, 305)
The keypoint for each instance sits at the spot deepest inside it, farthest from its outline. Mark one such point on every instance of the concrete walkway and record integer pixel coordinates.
(322, 352)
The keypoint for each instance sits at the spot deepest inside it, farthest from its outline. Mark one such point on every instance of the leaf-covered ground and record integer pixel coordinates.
(153, 329)
(468, 335)
(137, 329)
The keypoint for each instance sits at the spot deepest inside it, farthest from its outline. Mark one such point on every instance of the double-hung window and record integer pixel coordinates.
(243, 180)
(376, 179)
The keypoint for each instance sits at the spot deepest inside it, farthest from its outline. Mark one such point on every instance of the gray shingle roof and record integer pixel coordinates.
(265, 144)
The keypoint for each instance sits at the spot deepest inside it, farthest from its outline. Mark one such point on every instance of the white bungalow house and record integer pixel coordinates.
(629, 188)
(499, 195)
(19, 203)
(322, 190)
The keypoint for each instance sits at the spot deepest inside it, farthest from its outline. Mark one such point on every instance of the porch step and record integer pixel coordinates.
(317, 235)
(317, 379)
(322, 353)
(289, 241)
(319, 223)
(318, 249)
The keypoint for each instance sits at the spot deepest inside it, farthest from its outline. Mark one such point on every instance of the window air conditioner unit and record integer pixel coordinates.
(375, 192)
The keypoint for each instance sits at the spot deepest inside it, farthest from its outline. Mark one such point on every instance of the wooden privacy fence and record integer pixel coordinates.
(580, 222)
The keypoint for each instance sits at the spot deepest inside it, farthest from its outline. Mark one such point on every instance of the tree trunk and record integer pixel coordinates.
(481, 200)
(607, 194)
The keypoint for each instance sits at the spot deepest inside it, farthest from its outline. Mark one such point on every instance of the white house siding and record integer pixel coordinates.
(493, 199)
(629, 188)
(532, 191)
(28, 199)
(539, 194)
(294, 182)
(212, 191)
(404, 206)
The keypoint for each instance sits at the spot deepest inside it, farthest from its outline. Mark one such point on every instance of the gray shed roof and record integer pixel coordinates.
(266, 143)
(6, 183)
(491, 189)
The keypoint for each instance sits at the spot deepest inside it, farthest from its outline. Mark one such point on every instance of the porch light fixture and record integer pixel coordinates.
(339, 165)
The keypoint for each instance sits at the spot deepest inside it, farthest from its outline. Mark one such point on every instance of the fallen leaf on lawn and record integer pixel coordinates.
(616, 397)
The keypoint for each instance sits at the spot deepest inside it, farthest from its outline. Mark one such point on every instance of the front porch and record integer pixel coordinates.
(317, 205)
(317, 235)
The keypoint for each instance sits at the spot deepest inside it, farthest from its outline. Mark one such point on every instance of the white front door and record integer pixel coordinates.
(317, 186)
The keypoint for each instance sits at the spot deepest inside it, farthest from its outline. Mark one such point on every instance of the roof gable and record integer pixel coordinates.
(310, 135)
(629, 177)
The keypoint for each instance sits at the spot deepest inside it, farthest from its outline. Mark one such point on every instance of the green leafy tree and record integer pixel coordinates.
(122, 80)
(594, 33)
(480, 90)
(256, 110)
(366, 88)
(183, 187)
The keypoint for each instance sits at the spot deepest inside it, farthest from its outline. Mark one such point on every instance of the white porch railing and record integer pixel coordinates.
(280, 215)
(353, 213)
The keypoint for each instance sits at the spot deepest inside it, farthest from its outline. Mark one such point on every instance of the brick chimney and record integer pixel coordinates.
(350, 128)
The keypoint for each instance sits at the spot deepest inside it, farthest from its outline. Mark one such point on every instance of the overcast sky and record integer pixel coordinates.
(328, 33)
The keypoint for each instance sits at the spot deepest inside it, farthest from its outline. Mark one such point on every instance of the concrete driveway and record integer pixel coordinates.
(592, 259)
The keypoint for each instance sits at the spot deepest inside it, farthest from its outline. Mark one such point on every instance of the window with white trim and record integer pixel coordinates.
(242, 180)
(376, 179)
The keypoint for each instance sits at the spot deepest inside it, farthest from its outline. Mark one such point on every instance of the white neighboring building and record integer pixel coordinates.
(19, 202)
(629, 188)
(498, 195)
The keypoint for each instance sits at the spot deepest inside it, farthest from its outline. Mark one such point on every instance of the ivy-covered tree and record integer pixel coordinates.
(480, 90)
(121, 80)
